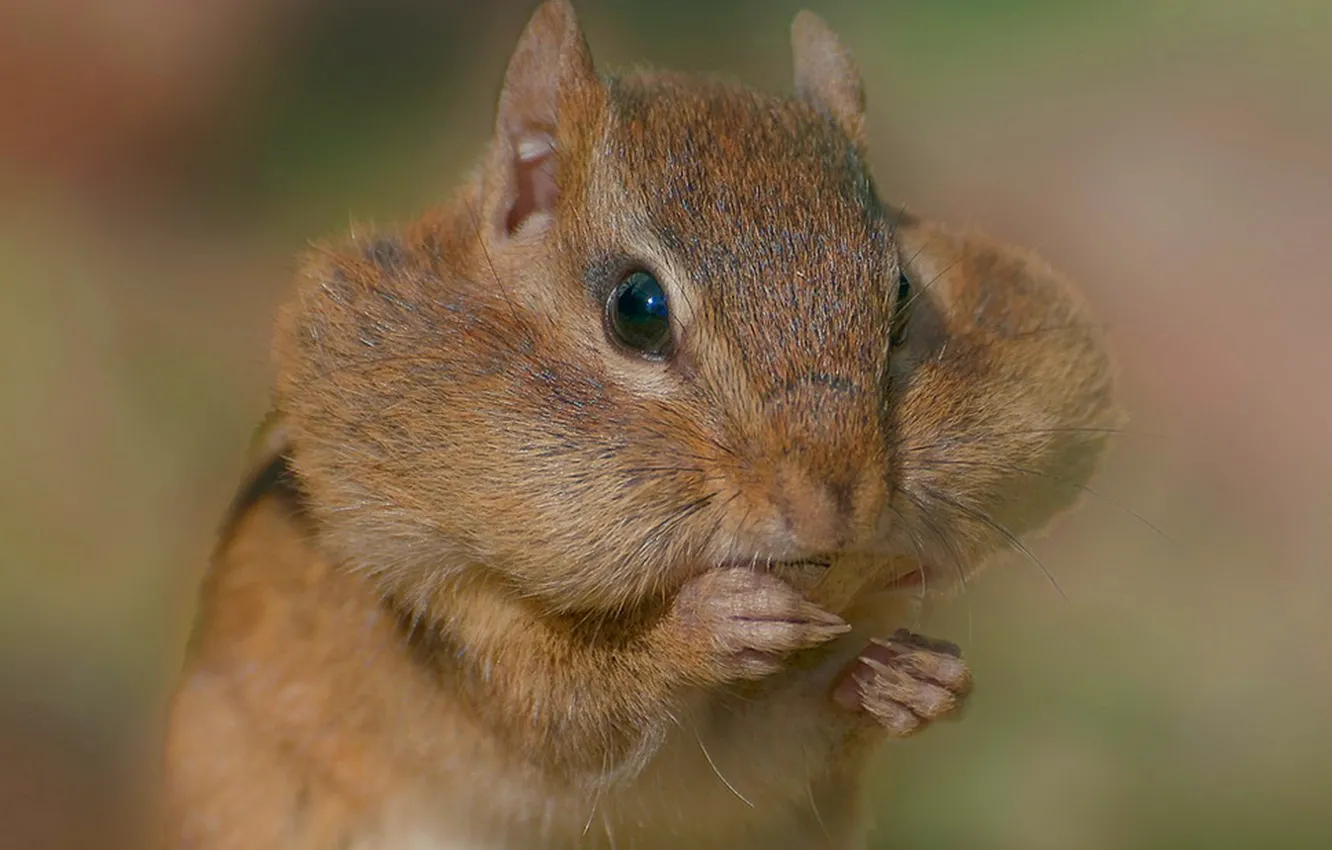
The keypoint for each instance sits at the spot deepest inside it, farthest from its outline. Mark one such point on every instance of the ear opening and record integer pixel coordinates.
(550, 63)
(826, 74)
(534, 192)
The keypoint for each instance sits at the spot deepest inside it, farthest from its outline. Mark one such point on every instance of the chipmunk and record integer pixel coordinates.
(595, 501)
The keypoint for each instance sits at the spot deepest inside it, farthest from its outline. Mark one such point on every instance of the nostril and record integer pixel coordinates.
(821, 509)
(814, 515)
(841, 494)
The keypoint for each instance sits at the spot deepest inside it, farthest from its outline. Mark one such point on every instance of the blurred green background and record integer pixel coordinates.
(162, 161)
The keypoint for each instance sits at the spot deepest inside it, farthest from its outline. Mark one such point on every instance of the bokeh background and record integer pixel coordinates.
(162, 161)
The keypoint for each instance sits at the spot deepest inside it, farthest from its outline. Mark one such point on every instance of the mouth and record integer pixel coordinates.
(776, 565)
(803, 563)
(808, 572)
(801, 573)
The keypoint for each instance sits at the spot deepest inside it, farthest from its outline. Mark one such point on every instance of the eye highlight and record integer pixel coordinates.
(638, 317)
(901, 310)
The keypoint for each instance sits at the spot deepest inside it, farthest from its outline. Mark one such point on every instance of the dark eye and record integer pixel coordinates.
(901, 310)
(638, 316)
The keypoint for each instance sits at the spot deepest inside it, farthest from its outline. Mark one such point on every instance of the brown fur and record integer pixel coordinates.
(522, 588)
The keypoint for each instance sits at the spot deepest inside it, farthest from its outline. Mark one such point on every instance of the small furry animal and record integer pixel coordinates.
(594, 502)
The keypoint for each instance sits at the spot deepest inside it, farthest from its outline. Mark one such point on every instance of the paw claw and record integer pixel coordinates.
(752, 620)
(905, 681)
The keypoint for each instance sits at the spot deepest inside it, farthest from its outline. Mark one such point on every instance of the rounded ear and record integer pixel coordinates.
(550, 63)
(826, 75)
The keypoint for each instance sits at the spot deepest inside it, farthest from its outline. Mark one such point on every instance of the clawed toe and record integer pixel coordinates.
(905, 681)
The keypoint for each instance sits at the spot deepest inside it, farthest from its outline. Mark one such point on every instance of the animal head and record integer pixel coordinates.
(668, 323)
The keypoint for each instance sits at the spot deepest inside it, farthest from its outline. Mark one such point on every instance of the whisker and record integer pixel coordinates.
(915, 544)
(933, 528)
(809, 791)
(897, 221)
(485, 252)
(1016, 432)
(1074, 326)
(1013, 540)
(670, 522)
(919, 250)
(717, 525)
(741, 797)
(1076, 429)
(596, 797)
(926, 288)
(1003, 467)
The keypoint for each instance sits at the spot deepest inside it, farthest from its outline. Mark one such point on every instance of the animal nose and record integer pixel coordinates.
(828, 452)
(816, 513)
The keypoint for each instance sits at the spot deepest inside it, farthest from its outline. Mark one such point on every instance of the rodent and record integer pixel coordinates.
(595, 502)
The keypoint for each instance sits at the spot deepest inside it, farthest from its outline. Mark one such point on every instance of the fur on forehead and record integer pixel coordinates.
(763, 199)
(689, 140)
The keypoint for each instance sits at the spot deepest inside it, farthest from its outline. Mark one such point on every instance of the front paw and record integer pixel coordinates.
(745, 622)
(904, 682)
